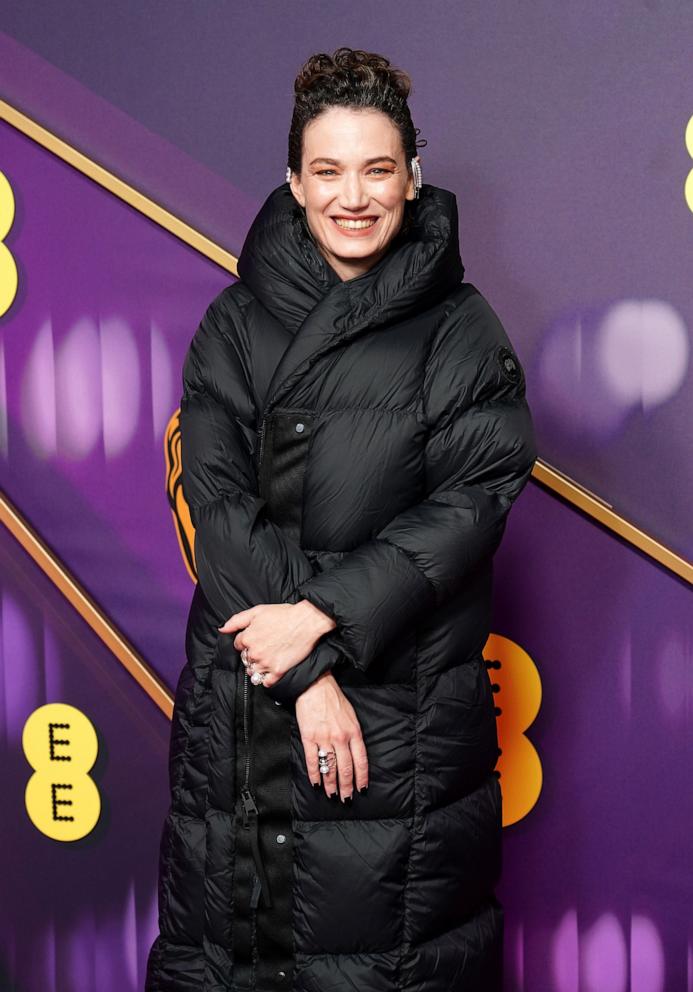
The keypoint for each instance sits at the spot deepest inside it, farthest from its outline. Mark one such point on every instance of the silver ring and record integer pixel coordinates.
(244, 657)
(257, 678)
(326, 756)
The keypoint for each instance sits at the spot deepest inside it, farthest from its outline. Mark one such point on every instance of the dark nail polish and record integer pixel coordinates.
(347, 799)
(316, 785)
(333, 794)
(364, 789)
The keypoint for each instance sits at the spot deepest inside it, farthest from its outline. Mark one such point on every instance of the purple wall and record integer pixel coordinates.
(565, 148)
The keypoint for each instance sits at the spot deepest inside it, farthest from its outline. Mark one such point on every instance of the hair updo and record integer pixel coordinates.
(351, 78)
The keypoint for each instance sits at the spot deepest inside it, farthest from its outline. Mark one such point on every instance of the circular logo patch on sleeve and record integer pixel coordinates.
(509, 365)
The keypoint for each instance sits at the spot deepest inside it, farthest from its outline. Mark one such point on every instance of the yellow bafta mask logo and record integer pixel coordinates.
(185, 532)
(61, 745)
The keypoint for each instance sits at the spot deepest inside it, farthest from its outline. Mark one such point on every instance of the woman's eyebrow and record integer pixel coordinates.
(369, 161)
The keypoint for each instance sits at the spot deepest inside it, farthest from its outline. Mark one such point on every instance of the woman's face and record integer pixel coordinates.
(353, 185)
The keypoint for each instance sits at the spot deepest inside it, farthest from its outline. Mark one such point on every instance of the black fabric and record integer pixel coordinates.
(358, 444)
(285, 442)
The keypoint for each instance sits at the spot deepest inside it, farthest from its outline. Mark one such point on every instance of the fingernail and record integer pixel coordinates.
(346, 799)
(333, 794)
(316, 785)
(364, 789)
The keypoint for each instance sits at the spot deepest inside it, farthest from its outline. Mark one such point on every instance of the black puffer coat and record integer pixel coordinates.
(358, 444)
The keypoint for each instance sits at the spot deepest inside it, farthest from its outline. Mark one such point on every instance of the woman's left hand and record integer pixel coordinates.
(277, 635)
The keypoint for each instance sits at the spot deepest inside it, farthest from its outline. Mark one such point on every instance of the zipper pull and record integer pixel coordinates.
(257, 889)
(248, 804)
(260, 884)
(248, 801)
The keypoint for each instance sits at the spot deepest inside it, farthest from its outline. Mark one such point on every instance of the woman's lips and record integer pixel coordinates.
(356, 232)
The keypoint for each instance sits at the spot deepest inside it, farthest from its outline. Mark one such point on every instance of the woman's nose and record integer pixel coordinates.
(353, 195)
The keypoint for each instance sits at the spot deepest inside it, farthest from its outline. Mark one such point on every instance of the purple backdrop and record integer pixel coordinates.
(563, 195)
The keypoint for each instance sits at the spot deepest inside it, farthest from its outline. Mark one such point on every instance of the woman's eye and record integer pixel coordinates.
(326, 172)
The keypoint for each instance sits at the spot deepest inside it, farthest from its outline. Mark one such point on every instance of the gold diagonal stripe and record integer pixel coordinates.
(88, 167)
(83, 603)
(556, 482)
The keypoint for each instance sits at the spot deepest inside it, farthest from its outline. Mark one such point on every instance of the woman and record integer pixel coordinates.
(354, 431)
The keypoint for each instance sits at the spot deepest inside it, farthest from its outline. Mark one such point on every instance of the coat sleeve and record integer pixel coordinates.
(479, 454)
(241, 557)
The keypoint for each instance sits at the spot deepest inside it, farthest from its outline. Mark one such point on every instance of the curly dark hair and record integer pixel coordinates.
(351, 78)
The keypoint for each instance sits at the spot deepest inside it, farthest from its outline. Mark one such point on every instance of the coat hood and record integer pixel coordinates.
(283, 267)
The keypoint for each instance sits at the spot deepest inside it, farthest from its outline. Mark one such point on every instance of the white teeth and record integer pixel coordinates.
(354, 225)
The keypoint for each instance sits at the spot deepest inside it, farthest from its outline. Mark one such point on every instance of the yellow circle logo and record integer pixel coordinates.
(515, 681)
(688, 186)
(61, 745)
(8, 268)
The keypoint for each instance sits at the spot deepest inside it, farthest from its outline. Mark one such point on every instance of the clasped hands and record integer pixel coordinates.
(278, 636)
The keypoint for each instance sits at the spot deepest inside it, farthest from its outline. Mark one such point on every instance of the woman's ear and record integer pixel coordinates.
(297, 189)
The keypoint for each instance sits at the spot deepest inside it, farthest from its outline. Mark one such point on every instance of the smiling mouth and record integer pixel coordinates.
(360, 224)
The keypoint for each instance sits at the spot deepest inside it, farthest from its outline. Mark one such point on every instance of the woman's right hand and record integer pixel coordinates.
(326, 719)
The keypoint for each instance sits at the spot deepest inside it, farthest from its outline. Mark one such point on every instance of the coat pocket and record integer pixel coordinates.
(461, 720)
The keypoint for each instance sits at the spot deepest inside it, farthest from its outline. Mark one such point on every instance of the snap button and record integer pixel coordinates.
(281, 975)
(299, 428)
(277, 703)
(281, 838)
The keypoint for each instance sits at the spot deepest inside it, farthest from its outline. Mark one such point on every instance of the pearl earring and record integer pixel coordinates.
(418, 179)
(288, 174)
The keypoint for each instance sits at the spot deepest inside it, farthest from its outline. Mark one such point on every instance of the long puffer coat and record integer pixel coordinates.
(358, 444)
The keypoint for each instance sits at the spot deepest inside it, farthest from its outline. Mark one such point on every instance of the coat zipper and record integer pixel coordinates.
(250, 812)
(245, 729)
(248, 804)
(259, 458)
(262, 440)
